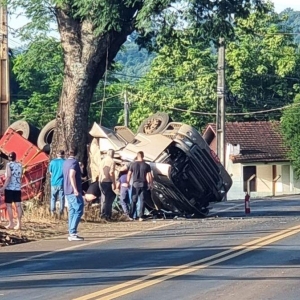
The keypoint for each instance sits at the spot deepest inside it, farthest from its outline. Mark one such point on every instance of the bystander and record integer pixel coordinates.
(57, 184)
(12, 190)
(73, 192)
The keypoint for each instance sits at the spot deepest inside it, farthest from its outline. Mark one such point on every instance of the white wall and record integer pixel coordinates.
(263, 181)
(236, 173)
(285, 185)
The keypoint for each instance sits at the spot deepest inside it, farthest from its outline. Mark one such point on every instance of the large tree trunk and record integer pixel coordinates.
(86, 58)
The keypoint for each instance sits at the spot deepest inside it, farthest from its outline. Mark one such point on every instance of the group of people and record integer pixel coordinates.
(66, 183)
(135, 177)
(67, 178)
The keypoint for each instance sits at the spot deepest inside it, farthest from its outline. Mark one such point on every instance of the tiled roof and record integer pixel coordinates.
(259, 141)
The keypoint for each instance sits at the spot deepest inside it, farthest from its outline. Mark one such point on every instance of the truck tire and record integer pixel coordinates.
(26, 130)
(46, 135)
(154, 124)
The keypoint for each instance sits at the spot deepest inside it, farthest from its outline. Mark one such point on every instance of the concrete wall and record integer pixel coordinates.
(236, 190)
(263, 181)
(285, 185)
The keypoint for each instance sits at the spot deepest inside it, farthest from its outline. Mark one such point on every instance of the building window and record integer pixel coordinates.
(247, 173)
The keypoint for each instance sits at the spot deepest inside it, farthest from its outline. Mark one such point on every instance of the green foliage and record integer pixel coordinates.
(291, 22)
(291, 133)
(262, 68)
(154, 18)
(39, 72)
(181, 78)
(134, 62)
(190, 83)
(15, 89)
(107, 109)
(262, 72)
(36, 81)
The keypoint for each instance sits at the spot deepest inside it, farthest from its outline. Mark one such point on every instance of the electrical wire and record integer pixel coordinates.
(105, 81)
(104, 99)
(227, 114)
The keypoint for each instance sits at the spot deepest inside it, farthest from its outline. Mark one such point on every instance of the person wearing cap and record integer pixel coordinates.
(57, 183)
(12, 190)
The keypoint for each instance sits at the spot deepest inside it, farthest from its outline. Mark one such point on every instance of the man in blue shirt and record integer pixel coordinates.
(73, 192)
(56, 172)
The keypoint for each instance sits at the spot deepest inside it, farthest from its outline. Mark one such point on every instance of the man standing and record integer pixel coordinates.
(107, 184)
(12, 189)
(123, 186)
(142, 181)
(57, 183)
(73, 192)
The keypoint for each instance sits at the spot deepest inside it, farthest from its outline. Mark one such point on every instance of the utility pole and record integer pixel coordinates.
(126, 109)
(220, 118)
(4, 72)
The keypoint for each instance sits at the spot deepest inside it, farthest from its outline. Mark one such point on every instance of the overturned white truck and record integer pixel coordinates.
(188, 176)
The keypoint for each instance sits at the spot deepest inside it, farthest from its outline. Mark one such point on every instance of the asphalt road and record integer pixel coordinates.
(225, 256)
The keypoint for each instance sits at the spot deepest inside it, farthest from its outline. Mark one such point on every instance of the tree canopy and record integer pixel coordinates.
(93, 32)
(262, 67)
(39, 73)
(262, 73)
(291, 133)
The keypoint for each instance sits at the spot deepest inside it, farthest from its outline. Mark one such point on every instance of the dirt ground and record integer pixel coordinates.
(31, 230)
(38, 226)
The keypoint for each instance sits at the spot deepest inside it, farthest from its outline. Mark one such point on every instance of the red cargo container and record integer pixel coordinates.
(34, 162)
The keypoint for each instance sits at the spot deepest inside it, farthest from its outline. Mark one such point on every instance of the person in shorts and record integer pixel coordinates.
(12, 190)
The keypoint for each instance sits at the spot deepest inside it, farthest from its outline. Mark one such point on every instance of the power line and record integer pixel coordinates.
(227, 114)
(106, 98)
(165, 77)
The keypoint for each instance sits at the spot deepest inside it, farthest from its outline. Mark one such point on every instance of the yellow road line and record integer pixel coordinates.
(157, 277)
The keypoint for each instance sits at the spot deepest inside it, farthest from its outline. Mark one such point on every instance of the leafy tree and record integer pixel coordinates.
(92, 33)
(262, 68)
(39, 72)
(182, 77)
(134, 62)
(262, 73)
(291, 22)
(36, 83)
(291, 133)
(15, 88)
(108, 103)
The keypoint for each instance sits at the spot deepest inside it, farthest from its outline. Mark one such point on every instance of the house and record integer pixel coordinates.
(256, 159)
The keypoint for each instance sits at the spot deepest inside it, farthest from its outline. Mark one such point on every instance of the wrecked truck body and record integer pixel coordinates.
(187, 174)
(34, 162)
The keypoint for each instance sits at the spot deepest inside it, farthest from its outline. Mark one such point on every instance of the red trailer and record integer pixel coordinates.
(34, 162)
